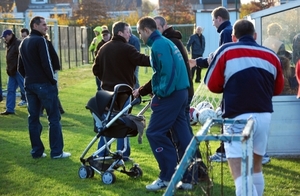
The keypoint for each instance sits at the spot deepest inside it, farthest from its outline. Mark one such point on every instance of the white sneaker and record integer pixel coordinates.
(157, 185)
(184, 186)
(22, 103)
(62, 155)
(218, 157)
(266, 159)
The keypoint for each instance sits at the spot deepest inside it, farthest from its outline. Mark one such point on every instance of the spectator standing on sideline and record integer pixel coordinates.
(105, 38)
(288, 72)
(273, 41)
(41, 90)
(14, 77)
(134, 40)
(170, 85)
(220, 18)
(115, 64)
(238, 70)
(24, 32)
(196, 43)
(55, 66)
(96, 40)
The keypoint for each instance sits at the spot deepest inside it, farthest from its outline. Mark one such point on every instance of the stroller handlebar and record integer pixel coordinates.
(136, 101)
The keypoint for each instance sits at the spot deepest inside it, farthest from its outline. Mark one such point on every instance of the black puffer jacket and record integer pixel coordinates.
(12, 53)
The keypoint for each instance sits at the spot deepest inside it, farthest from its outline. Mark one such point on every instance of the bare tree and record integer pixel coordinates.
(5, 6)
(90, 13)
(176, 11)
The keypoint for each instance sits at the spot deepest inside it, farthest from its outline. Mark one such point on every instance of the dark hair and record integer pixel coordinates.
(24, 30)
(119, 26)
(243, 27)
(148, 22)
(222, 12)
(286, 66)
(36, 20)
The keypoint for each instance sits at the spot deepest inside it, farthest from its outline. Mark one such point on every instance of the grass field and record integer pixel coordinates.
(22, 175)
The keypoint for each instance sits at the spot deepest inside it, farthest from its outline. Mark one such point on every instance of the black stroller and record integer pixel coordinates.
(112, 118)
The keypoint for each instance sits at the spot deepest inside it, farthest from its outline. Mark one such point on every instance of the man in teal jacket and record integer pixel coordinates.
(170, 84)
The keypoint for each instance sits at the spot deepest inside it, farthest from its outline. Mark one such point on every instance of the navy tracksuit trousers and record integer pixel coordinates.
(168, 113)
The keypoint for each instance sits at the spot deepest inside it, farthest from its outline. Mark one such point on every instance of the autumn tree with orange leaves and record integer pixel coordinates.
(90, 13)
(254, 6)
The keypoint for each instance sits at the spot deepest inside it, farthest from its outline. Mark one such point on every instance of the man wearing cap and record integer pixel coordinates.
(105, 38)
(14, 77)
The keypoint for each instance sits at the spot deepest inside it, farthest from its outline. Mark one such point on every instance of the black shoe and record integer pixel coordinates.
(6, 113)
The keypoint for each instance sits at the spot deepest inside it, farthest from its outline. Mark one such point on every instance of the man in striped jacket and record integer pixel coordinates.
(248, 75)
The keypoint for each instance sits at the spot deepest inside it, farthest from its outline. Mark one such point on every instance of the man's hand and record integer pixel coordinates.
(192, 63)
(135, 93)
(210, 57)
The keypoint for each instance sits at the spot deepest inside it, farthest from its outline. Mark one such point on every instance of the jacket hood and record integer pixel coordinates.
(98, 29)
(171, 33)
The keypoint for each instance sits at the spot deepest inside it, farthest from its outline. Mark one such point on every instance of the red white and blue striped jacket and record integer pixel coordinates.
(247, 74)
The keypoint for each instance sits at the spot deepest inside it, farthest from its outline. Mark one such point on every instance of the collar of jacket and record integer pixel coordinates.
(223, 26)
(119, 38)
(35, 32)
(153, 37)
(247, 38)
(171, 33)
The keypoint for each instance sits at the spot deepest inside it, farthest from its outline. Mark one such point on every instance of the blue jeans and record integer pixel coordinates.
(46, 95)
(120, 146)
(136, 76)
(13, 83)
(120, 142)
(98, 83)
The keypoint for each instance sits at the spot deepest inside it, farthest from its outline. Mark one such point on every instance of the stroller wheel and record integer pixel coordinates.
(138, 172)
(84, 172)
(90, 172)
(108, 177)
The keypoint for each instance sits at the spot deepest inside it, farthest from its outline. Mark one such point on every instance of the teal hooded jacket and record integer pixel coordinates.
(169, 70)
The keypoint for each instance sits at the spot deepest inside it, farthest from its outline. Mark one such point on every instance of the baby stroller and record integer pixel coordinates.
(112, 118)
